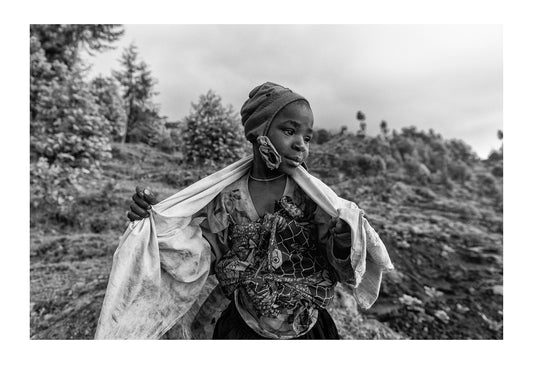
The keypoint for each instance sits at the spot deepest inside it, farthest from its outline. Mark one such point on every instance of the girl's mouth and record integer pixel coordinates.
(293, 162)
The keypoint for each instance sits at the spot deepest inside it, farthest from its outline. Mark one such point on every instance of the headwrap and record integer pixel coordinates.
(263, 104)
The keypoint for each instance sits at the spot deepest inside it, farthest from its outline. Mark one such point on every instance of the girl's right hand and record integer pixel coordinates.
(142, 202)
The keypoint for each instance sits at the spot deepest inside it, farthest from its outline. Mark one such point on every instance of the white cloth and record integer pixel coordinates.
(159, 272)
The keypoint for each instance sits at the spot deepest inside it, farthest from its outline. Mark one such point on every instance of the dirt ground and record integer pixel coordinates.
(446, 246)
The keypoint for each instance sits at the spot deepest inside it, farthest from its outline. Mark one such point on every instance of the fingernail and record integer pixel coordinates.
(147, 192)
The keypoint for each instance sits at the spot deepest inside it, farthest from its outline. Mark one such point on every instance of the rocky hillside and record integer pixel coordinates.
(443, 232)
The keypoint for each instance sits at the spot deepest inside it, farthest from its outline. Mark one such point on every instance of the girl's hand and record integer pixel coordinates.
(142, 202)
(338, 227)
(342, 238)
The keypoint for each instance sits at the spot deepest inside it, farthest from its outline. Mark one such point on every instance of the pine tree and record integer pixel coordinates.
(137, 85)
(62, 43)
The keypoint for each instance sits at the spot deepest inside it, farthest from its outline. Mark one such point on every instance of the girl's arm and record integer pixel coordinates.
(342, 238)
(334, 237)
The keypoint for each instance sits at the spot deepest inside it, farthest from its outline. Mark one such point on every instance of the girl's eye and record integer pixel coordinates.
(289, 131)
(307, 139)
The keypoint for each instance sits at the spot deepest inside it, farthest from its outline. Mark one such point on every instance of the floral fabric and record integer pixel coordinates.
(274, 266)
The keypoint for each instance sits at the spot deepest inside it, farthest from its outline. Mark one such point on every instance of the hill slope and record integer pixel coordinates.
(445, 242)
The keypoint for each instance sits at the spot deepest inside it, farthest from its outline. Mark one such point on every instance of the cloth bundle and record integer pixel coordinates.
(159, 272)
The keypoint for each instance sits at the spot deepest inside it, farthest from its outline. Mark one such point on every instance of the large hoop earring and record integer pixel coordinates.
(268, 153)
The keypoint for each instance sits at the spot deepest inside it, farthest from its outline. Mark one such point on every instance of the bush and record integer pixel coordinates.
(69, 136)
(487, 184)
(459, 171)
(53, 190)
(364, 164)
(461, 151)
(495, 155)
(212, 132)
(497, 171)
(321, 136)
(405, 147)
(106, 92)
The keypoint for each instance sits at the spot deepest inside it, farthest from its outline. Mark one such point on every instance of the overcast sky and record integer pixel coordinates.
(446, 77)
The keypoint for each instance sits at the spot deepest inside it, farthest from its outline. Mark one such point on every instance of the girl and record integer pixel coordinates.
(277, 254)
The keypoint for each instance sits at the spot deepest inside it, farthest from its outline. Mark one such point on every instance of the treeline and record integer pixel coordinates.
(411, 155)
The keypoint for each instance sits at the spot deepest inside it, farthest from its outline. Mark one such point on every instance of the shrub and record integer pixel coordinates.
(459, 171)
(321, 136)
(212, 132)
(461, 151)
(497, 171)
(364, 163)
(107, 96)
(405, 147)
(69, 136)
(487, 184)
(495, 155)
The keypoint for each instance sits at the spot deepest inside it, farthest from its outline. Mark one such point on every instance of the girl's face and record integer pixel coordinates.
(290, 132)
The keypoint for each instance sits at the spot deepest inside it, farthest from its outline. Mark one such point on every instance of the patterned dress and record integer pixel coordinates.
(274, 267)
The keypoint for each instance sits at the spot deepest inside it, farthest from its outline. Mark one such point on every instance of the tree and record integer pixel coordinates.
(107, 94)
(362, 125)
(405, 147)
(361, 132)
(384, 128)
(460, 151)
(69, 136)
(212, 132)
(137, 91)
(63, 43)
(321, 136)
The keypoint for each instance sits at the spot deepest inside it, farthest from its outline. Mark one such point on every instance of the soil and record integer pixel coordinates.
(446, 244)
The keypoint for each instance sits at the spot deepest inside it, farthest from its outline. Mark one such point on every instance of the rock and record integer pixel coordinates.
(416, 229)
(396, 276)
(497, 290)
(432, 292)
(442, 315)
(447, 249)
(403, 245)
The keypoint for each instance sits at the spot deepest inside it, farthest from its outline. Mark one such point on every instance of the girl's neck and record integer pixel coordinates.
(260, 171)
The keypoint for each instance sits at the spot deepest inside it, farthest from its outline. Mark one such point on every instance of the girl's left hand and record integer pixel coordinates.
(338, 226)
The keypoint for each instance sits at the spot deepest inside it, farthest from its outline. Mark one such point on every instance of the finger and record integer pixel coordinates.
(140, 201)
(149, 196)
(133, 217)
(342, 227)
(139, 190)
(138, 210)
(331, 225)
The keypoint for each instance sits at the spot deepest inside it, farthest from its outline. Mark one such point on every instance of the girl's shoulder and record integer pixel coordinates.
(232, 204)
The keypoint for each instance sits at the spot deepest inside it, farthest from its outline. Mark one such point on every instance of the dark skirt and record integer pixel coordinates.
(230, 325)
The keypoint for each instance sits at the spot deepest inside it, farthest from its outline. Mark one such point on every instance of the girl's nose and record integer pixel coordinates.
(299, 144)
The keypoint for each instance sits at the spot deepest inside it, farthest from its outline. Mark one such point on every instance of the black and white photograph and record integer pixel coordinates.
(267, 181)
